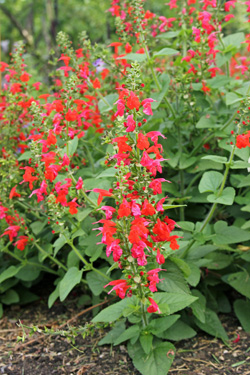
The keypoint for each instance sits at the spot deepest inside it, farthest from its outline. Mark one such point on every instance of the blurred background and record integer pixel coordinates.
(37, 23)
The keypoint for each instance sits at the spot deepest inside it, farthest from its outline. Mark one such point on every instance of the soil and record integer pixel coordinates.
(41, 354)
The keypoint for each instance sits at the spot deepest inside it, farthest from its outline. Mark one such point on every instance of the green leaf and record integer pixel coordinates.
(96, 281)
(109, 172)
(173, 280)
(182, 265)
(240, 281)
(53, 296)
(227, 197)
(159, 96)
(81, 215)
(146, 341)
(168, 35)
(195, 275)
(158, 326)
(128, 334)
(58, 244)
(9, 272)
(239, 165)
(72, 147)
(206, 122)
(179, 331)
(210, 181)
(71, 278)
(25, 296)
(114, 312)
(199, 306)
(186, 225)
(1, 310)
(157, 362)
(212, 325)
(92, 249)
(25, 156)
(241, 309)
(165, 52)
(140, 57)
(38, 226)
(232, 98)
(229, 234)
(29, 272)
(234, 40)
(175, 301)
(10, 297)
(110, 99)
(219, 260)
(186, 161)
(217, 159)
(113, 335)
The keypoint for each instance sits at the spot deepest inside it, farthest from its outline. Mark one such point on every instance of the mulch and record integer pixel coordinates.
(48, 355)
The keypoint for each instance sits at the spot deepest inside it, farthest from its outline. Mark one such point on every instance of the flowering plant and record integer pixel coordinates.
(135, 142)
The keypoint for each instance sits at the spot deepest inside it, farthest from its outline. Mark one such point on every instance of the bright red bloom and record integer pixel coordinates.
(22, 242)
(13, 193)
(142, 142)
(147, 208)
(72, 207)
(11, 231)
(153, 307)
(27, 177)
(102, 193)
(120, 287)
(124, 209)
(25, 77)
(133, 101)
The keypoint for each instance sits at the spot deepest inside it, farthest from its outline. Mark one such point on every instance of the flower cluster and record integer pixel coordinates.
(136, 230)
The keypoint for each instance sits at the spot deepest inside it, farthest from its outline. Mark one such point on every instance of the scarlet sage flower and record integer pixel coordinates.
(153, 306)
(120, 287)
(102, 193)
(22, 242)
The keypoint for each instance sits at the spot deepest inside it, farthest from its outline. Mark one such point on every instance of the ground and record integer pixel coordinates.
(48, 355)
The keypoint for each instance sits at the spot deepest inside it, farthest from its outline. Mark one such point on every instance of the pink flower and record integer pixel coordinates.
(79, 183)
(147, 106)
(130, 124)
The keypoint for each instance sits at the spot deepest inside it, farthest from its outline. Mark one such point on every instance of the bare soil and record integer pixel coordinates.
(48, 355)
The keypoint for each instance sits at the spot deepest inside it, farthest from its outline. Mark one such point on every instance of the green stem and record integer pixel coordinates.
(87, 264)
(56, 261)
(182, 209)
(27, 262)
(170, 108)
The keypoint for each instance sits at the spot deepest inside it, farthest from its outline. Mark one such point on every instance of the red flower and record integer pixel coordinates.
(153, 307)
(96, 84)
(24, 77)
(124, 209)
(120, 287)
(22, 242)
(13, 193)
(103, 193)
(133, 101)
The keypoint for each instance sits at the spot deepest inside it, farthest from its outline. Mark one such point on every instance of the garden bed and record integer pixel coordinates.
(42, 355)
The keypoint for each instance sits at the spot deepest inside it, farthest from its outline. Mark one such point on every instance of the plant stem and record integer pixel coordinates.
(170, 108)
(56, 261)
(27, 262)
(87, 264)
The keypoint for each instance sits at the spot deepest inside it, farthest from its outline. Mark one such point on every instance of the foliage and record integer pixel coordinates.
(155, 126)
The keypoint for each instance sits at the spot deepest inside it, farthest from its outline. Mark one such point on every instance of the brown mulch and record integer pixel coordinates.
(48, 355)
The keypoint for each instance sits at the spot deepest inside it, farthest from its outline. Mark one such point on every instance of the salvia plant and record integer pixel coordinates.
(129, 175)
